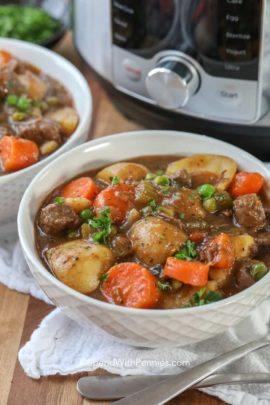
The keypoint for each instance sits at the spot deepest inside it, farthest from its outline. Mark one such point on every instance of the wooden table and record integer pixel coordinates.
(20, 314)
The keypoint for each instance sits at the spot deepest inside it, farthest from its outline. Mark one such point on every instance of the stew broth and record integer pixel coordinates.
(233, 253)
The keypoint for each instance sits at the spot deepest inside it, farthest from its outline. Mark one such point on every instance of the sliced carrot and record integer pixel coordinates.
(246, 183)
(5, 57)
(17, 153)
(131, 285)
(223, 252)
(82, 187)
(192, 273)
(119, 199)
(197, 236)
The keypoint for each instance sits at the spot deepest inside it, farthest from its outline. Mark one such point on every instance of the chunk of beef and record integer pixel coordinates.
(242, 273)
(187, 202)
(209, 251)
(38, 130)
(182, 178)
(9, 80)
(249, 211)
(55, 218)
(121, 246)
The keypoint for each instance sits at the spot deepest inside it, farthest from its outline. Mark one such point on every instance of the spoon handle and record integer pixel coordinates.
(102, 388)
(160, 393)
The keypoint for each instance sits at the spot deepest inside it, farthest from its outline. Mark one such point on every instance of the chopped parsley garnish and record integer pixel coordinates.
(115, 181)
(202, 297)
(86, 214)
(164, 286)
(28, 23)
(153, 205)
(59, 200)
(103, 224)
(104, 277)
(188, 252)
(181, 215)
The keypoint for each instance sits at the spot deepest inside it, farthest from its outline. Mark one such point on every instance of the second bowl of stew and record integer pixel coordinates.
(45, 109)
(165, 243)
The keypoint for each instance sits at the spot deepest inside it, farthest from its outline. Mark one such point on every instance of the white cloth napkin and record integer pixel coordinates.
(60, 346)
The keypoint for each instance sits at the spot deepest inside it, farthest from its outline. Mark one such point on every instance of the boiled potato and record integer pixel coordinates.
(221, 166)
(80, 264)
(124, 171)
(67, 117)
(243, 246)
(154, 239)
(34, 86)
(220, 276)
(78, 204)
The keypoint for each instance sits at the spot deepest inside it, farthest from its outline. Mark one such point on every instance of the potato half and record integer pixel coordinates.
(35, 88)
(154, 239)
(67, 117)
(80, 264)
(124, 171)
(221, 166)
(244, 246)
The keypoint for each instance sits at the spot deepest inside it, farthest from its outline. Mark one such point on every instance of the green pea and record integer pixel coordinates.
(150, 176)
(210, 205)
(162, 181)
(59, 200)
(11, 100)
(206, 191)
(258, 271)
(23, 104)
(18, 116)
(86, 214)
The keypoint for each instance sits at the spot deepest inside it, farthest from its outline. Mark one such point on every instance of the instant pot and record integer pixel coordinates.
(196, 65)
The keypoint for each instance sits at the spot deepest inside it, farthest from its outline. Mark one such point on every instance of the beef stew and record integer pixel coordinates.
(158, 232)
(37, 114)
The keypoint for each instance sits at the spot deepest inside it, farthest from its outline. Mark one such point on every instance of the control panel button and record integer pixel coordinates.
(229, 96)
(172, 82)
(132, 70)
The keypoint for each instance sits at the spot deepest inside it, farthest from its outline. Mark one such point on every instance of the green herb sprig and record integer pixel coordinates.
(103, 224)
(203, 297)
(115, 181)
(164, 286)
(188, 252)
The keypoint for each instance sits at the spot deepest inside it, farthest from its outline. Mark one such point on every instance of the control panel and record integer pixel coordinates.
(201, 57)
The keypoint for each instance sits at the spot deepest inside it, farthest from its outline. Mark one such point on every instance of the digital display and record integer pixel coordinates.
(140, 24)
(222, 35)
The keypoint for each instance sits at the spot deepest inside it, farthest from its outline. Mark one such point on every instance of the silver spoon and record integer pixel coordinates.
(104, 388)
(162, 392)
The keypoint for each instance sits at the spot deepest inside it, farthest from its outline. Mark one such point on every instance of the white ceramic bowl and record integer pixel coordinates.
(149, 328)
(12, 186)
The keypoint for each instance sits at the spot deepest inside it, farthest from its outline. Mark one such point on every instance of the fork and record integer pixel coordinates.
(162, 392)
